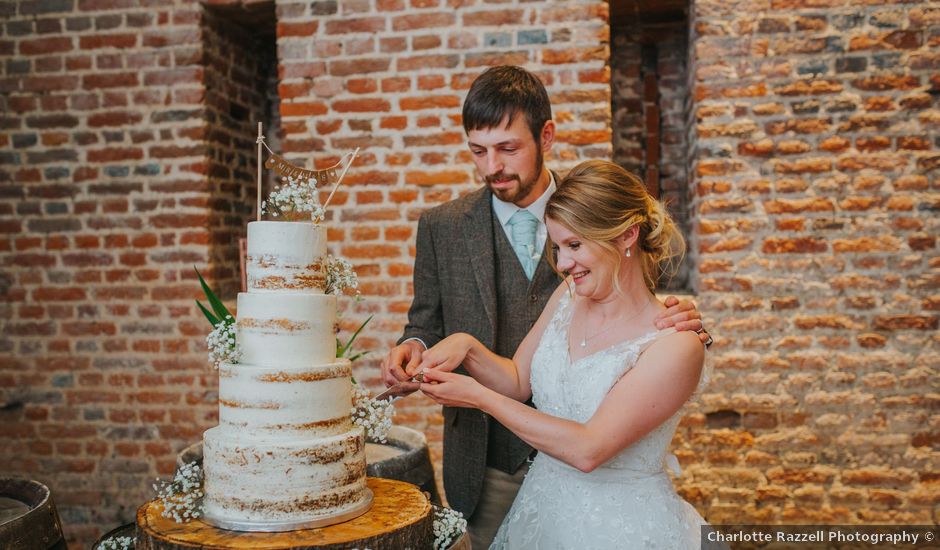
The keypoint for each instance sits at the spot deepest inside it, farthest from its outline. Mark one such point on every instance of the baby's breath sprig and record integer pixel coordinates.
(221, 343)
(294, 199)
(448, 526)
(373, 415)
(117, 543)
(340, 276)
(182, 497)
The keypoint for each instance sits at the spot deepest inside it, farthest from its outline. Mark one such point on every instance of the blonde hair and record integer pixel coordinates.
(598, 200)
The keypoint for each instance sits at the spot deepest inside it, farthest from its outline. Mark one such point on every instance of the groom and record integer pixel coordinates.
(481, 268)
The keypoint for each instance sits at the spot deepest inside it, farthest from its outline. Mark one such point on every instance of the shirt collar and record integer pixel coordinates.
(504, 210)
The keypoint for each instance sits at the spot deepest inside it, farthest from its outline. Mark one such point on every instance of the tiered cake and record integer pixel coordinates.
(285, 454)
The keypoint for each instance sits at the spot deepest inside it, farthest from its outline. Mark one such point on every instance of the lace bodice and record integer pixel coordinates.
(574, 390)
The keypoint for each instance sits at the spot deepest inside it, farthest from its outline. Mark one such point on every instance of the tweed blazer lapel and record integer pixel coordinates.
(477, 229)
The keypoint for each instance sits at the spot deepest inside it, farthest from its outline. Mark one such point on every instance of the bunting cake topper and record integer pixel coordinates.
(299, 194)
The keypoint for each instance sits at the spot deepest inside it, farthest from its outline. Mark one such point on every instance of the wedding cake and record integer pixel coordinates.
(286, 454)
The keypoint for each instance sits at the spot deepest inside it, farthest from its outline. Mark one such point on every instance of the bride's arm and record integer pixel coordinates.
(664, 378)
(509, 377)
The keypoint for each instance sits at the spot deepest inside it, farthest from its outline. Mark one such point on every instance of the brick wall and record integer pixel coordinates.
(814, 156)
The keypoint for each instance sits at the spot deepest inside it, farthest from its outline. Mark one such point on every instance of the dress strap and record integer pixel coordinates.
(647, 341)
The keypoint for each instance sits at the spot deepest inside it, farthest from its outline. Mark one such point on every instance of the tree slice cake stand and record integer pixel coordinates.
(401, 517)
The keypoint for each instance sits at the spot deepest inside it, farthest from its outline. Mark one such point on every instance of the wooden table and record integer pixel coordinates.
(400, 518)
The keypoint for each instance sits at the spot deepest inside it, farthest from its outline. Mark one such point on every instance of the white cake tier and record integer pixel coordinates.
(290, 481)
(286, 330)
(287, 257)
(285, 402)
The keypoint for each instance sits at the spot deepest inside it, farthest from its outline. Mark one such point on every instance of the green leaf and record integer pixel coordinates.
(353, 338)
(358, 355)
(212, 319)
(217, 306)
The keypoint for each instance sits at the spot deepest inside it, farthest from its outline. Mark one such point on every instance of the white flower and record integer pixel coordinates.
(182, 497)
(340, 276)
(448, 526)
(221, 343)
(116, 543)
(294, 197)
(373, 415)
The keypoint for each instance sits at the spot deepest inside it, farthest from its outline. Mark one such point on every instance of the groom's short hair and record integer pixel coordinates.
(504, 91)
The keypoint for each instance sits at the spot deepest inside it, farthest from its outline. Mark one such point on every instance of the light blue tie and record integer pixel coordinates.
(522, 227)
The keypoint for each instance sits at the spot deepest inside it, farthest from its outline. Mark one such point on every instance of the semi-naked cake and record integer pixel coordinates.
(286, 454)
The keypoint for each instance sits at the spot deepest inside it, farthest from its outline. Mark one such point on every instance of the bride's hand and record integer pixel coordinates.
(446, 355)
(452, 390)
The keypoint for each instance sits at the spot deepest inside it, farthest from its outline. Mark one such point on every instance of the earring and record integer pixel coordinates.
(627, 253)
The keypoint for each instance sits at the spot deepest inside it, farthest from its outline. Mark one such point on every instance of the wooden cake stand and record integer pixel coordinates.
(400, 517)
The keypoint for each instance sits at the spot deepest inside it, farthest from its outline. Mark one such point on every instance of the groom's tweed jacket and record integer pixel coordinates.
(458, 259)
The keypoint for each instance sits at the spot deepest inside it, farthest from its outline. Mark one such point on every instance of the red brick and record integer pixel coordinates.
(110, 80)
(493, 18)
(429, 102)
(906, 322)
(358, 66)
(424, 20)
(362, 85)
(792, 246)
(364, 105)
(115, 154)
(53, 294)
(879, 83)
(307, 28)
(575, 55)
(394, 122)
(355, 25)
(41, 46)
(583, 137)
(424, 62)
(433, 178)
(94, 42)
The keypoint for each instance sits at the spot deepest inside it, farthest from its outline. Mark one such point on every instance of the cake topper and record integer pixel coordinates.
(298, 193)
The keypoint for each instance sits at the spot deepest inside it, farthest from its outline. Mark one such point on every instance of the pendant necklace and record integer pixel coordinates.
(585, 338)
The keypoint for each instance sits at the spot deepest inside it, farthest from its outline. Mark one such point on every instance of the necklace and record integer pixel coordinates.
(585, 338)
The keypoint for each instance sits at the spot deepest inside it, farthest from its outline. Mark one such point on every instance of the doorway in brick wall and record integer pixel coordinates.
(240, 62)
(649, 104)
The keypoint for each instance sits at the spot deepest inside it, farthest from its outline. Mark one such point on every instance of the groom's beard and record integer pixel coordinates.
(524, 187)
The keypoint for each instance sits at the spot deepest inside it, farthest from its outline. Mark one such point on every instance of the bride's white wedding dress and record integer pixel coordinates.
(628, 502)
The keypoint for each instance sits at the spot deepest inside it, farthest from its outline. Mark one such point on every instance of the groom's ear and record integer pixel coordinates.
(547, 136)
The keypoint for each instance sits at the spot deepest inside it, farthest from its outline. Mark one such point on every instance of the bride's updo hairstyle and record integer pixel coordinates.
(598, 201)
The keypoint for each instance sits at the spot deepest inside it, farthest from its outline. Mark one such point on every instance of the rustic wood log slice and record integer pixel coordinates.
(28, 517)
(401, 517)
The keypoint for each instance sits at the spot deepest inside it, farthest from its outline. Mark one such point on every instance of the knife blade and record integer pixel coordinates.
(396, 387)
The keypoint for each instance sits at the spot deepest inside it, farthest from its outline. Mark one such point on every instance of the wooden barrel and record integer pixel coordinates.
(28, 518)
(404, 458)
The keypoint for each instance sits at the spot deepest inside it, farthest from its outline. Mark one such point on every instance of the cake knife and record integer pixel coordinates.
(396, 387)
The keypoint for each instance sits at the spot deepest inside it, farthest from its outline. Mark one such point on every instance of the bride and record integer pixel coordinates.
(608, 386)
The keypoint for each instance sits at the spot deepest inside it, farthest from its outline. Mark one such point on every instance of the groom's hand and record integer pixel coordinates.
(405, 356)
(683, 315)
